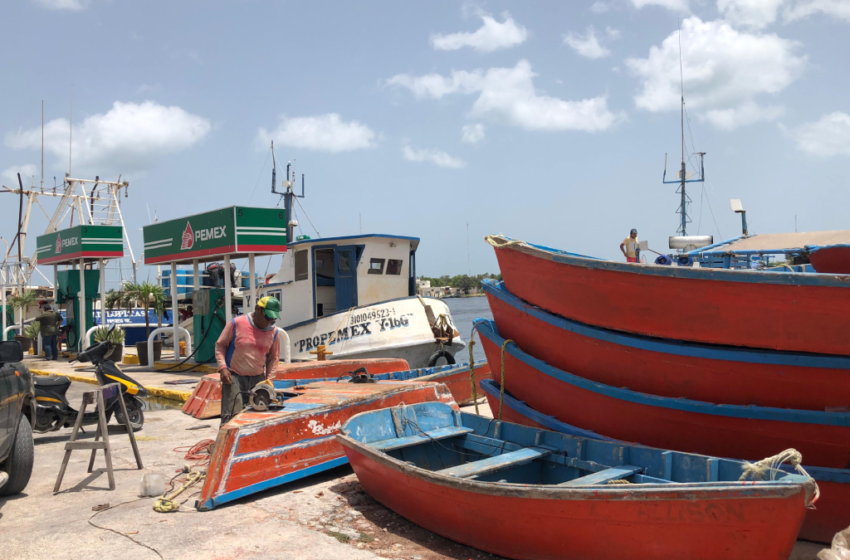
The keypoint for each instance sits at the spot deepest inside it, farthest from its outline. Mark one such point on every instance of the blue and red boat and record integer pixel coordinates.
(256, 451)
(535, 494)
(672, 368)
(745, 432)
(829, 515)
(788, 311)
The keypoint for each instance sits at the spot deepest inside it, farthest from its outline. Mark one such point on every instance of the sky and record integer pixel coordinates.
(546, 121)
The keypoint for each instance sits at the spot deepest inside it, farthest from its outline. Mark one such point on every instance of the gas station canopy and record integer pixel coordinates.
(236, 232)
(88, 242)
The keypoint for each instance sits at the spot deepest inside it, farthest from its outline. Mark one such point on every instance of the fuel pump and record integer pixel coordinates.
(68, 293)
(208, 321)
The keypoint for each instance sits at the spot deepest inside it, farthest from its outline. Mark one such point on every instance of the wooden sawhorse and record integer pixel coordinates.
(99, 396)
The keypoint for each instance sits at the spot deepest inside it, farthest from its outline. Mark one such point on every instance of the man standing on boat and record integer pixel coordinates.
(629, 247)
(247, 353)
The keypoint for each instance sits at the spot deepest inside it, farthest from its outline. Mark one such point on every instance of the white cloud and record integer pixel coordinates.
(829, 136)
(128, 137)
(599, 7)
(438, 158)
(509, 95)
(490, 37)
(745, 114)
(805, 8)
(676, 5)
(10, 175)
(472, 133)
(586, 45)
(613, 33)
(324, 133)
(752, 13)
(73, 5)
(723, 69)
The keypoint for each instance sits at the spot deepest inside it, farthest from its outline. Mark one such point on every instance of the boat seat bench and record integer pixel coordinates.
(602, 477)
(497, 463)
(409, 441)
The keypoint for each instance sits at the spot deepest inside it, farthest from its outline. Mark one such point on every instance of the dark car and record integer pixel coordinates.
(17, 410)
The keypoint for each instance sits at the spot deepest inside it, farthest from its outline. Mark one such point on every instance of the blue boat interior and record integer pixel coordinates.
(434, 437)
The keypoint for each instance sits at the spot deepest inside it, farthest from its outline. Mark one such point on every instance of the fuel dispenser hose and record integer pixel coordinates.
(219, 305)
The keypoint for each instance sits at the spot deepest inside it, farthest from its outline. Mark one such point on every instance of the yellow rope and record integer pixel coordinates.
(502, 384)
(472, 372)
(166, 503)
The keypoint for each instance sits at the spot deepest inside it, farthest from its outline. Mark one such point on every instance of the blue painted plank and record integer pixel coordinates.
(603, 477)
(497, 463)
(398, 443)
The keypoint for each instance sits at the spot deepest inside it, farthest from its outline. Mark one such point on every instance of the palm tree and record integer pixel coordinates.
(23, 301)
(149, 296)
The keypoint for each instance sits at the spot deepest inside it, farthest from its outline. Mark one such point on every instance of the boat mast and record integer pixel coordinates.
(684, 209)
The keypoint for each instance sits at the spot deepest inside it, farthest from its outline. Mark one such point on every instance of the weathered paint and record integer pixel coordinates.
(830, 514)
(746, 432)
(259, 450)
(691, 519)
(675, 369)
(793, 312)
(205, 401)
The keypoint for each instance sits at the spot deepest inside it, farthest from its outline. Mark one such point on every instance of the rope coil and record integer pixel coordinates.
(770, 465)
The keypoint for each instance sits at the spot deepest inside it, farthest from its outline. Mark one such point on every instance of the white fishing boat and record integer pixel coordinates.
(356, 296)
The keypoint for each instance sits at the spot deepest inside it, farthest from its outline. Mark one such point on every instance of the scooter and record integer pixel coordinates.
(53, 411)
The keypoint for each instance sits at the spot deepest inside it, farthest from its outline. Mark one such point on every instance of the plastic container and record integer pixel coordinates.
(152, 485)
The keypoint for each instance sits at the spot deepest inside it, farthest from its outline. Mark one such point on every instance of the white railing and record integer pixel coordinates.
(165, 330)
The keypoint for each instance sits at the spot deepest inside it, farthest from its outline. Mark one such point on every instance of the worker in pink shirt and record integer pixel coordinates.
(247, 353)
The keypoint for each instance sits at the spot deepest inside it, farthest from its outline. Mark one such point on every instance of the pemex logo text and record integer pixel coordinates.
(58, 244)
(188, 238)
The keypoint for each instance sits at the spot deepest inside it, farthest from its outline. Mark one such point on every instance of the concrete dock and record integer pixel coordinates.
(323, 517)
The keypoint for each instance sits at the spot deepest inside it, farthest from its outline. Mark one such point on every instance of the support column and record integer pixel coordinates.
(81, 322)
(252, 283)
(228, 305)
(175, 316)
(102, 292)
(196, 278)
(3, 300)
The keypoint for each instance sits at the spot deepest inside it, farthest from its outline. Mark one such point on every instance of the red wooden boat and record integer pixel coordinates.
(702, 372)
(830, 514)
(745, 432)
(534, 494)
(205, 401)
(256, 451)
(780, 311)
(832, 259)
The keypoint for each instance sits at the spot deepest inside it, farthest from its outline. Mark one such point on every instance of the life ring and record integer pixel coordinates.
(432, 361)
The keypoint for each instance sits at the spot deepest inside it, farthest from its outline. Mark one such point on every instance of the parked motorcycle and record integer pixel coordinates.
(54, 412)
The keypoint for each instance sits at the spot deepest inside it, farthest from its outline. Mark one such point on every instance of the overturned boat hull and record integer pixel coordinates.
(671, 368)
(256, 451)
(745, 432)
(205, 401)
(521, 493)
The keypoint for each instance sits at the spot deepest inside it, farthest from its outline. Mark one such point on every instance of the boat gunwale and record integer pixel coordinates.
(685, 348)
(721, 490)
(810, 279)
(487, 328)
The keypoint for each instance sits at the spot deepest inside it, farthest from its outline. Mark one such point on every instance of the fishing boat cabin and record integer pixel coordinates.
(320, 277)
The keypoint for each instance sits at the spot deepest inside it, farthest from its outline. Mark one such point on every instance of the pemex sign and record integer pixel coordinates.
(234, 231)
(80, 242)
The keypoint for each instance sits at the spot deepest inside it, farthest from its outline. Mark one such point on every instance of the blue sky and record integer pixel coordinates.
(545, 121)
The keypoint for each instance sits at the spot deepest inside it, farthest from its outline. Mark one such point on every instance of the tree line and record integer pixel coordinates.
(461, 281)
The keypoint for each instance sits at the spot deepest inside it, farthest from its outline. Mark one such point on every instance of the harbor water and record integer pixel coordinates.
(464, 311)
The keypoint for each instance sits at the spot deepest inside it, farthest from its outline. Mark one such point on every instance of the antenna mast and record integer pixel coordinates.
(682, 180)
